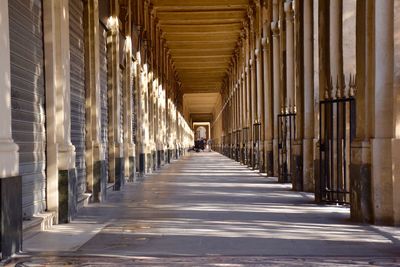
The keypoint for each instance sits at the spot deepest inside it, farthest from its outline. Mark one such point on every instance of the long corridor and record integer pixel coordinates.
(207, 209)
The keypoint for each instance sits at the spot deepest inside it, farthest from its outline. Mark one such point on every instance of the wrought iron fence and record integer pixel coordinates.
(286, 135)
(337, 131)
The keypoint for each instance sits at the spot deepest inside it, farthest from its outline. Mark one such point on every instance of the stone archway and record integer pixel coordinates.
(201, 133)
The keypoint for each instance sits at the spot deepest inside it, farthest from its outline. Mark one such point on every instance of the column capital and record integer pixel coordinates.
(113, 24)
(288, 7)
(275, 28)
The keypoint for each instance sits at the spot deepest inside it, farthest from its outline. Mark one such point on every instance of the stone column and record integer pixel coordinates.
(95, 156)
(145, 97)
(323, 77)
(231, 115)
(295, 157)
(152, 125)
(336, 41)
(259, 81)
(268, 99)
(360, 167)
(308, 141)
(244, 100)
(234, 103)
(383, 130)
(246, 84)
(276, 82)
(396, 140)
(115, 143)
(164, 105)
(239, 104)
(297, 165)
(336, 68)
(159, 133)
(141, 127)
(129, 146)
(10, 181)
(61, 172)
(253, 88)
(243, 103)
(289, 55)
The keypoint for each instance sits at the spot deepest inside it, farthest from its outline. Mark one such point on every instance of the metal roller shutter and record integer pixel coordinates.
(134, 123)
(28, 100)
(103, 88)
(121, 97)
(77, 55)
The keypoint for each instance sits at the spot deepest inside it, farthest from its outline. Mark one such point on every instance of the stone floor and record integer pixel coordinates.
(207, 210)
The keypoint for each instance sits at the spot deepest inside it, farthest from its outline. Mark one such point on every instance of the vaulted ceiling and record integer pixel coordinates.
(201, 36)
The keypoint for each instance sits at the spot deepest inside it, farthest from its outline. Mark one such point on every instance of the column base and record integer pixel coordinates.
(382, 181)
(360, 197)
(275, 157)
(132, 169)
(169, 156)
(119, 174)
(159, 153)
(297, 165)
(162, 157)
(396, 180)
(262, 163)
(142, 163)
(149, 161)
(317, 181)
(308, 165)
(242, 155)
(10, 216)
(269, 158)
(67, 205)
(250, 156)
(154, 160)
(360, 183)
(99, 181)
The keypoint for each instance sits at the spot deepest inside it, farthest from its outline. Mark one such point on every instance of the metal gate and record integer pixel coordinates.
(337, 130)
(256, 145)
(286, 135)
(230, 146)
(77, 55)
(244, 145)
(28, 100)
(238, 151)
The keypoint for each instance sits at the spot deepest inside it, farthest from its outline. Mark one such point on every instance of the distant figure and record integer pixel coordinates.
(209, 144)
(199, 144)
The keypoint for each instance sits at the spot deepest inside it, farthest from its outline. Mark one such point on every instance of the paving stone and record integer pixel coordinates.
(207, 210)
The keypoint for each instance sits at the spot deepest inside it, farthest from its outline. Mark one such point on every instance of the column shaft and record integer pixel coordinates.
(382, 180)
(277, 84)
(308, 143)
(94, 155)
(60, 151)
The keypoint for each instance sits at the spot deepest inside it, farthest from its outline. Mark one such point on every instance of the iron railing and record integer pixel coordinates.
(337, 130)
(286, 135)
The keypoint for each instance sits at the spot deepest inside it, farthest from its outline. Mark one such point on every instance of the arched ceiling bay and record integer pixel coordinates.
(201, 36)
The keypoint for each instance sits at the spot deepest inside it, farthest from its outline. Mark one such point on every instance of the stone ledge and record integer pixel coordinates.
(84, 200)
(39, 222)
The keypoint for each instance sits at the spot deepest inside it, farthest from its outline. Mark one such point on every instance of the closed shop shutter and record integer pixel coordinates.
(121, 97)
(28, 100)
(134, 119)
(103, 88)
(77, 55)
